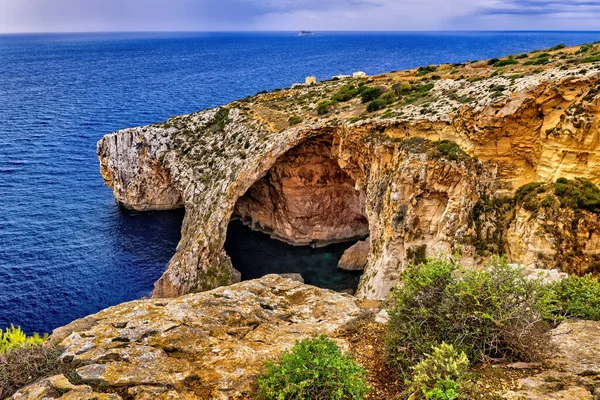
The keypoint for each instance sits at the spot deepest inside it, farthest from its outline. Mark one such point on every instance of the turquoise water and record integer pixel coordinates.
(255, 254)
(66, 249)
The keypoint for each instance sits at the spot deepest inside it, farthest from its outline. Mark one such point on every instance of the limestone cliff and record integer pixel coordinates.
(423, 171)
(201, 346)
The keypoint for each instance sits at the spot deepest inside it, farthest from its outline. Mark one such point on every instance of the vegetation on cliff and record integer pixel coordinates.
(14, 338)
(486, 313)
(444, 315)
(23, 360)
(314, 368)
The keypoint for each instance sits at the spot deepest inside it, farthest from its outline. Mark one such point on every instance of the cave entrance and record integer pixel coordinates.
(299, 218)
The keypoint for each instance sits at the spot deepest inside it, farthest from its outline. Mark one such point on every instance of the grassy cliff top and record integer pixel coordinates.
(433, 92)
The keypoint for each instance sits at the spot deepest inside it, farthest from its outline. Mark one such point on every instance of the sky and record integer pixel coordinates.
(290, 15)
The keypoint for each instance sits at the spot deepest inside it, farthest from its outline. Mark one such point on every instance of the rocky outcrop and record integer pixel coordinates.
(316, 181)
(130, 166)
(574, 369)
(202, 346)
(355, 257)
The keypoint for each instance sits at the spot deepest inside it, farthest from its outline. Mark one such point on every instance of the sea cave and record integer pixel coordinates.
(300, 217)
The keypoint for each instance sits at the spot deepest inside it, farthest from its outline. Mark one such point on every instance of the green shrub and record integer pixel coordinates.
(449, 150)
(314, 368)
(376, 104)
(494, 312)
(585, 48)
(503, 63)
(574, 297)
(323, 107)
(437, 375)
(14, 338)
(294, 120)
(368, 94)
(521, 56)
(402, 88)
(426, 70)
(590, 59)
(345, 93)
(529, 192)
(578, 194)
(220, 120)
(558, 47)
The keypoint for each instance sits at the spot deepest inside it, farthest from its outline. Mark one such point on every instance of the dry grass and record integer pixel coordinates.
(20, 367)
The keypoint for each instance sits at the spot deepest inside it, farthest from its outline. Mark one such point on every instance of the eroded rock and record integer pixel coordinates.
(355, 257)
(574, 366)
(200, 346)
(347, 174)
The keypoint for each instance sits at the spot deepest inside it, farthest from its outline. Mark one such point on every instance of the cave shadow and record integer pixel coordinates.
(255, 254)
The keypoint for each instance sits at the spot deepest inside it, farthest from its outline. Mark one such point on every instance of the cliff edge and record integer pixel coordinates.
(424, 162)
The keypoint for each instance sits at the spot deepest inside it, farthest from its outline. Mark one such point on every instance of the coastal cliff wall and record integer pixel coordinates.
(433, 172)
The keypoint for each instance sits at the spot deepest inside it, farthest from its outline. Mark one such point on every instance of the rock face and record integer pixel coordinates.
(356, 257)
(128, 164)
(430, 175)
(306, 199)
(556, 237)
(574, 368)
(200, 346)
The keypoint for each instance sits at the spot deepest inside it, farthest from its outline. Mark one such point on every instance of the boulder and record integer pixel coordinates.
(355, 257)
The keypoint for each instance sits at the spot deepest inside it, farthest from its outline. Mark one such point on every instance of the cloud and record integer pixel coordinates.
(206, 15)
(540, 7)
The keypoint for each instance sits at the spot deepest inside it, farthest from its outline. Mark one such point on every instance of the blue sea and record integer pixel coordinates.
(66, 249)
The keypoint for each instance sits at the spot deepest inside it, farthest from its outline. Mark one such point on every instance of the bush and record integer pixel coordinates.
(590, 59)
(323, 107)
(294, 120)
(22, 366)
(503, 63)
(345, 93)
(437, 375)
(578, 194)
(402, 88)
(490, 313)
(376, 104)
(558, 47)
(426, 70)
(585, 48)
(449, 150)
(14, 338)
(574, 297)
(220, 120)
(368, 94)
(313, 369)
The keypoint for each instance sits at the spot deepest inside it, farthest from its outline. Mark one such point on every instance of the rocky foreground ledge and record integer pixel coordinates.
(430, 166)
(214, 344)
(200, 346)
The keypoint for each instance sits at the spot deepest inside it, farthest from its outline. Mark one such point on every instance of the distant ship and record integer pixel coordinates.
(305, 33)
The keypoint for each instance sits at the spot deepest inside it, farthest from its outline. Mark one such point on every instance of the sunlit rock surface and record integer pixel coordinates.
(310, 178)
(199, 346)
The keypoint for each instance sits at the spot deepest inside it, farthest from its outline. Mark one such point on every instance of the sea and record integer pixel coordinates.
(66, 248)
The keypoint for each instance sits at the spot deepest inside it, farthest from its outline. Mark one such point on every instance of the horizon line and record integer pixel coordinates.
(298, 30)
